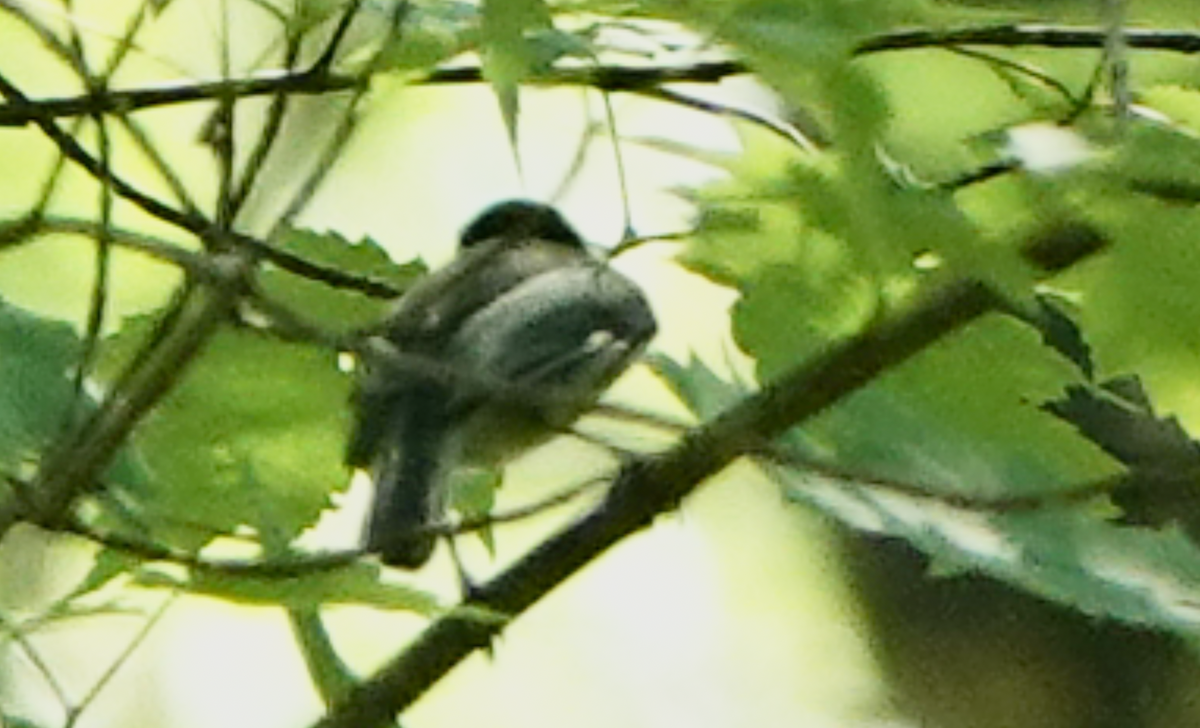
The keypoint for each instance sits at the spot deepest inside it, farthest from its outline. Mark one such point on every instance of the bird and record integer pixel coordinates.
(482, 360)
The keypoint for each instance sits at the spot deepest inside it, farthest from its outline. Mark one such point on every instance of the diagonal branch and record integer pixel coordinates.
(650, 486)
(79, 460)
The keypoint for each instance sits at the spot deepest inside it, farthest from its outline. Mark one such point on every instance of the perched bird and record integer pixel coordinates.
(507, 345)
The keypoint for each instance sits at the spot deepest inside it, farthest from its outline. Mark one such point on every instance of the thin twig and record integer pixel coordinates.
(196, 264)
(270, 131)
(345, 128)
(329, 673)
(101, 274)
(779, 127)
(579, 158)
(636, 242)
(75, 462)
(221, 134)
(17, 632)
(518, 513)
(614, 137)
(113, 667)
(193, 222)
(71, 148)
(140, 138)
(47, 36)
(325, 61)
(294, 566)
(649, 486)
(76, 61)
(99, 298)
(1024, 69)
(283, 568)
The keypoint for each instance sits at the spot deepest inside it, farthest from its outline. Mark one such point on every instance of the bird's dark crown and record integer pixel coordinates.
(521, 220)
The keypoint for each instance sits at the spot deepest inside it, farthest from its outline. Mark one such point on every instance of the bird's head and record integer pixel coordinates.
(520, 220)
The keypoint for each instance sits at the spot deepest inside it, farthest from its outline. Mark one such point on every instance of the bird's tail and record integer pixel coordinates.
(406, 498)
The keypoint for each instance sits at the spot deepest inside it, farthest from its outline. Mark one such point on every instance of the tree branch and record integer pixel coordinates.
(649, 486)
(78, 460)
(1021, 35)
(316, 81)
(608, 77)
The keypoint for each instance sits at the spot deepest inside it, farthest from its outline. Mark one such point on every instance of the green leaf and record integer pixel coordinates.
(508, 57)
(1061, 333)
(1181, 104)
(1163, 460)
(1159, 160)
(1138, 576)
(339, 310)
(789, 42)
(432, 33)
(1138, 303)
(252, 436)
(696, 384)
(548, 45)
(798, 46)
(1072, 555)
(1117, 416)
(473, 495)
(358, 583)
(109, 564)
(15, 721)
(788, 313)
(36, 393)
(736, 241)
(963, 418)
(781, 240)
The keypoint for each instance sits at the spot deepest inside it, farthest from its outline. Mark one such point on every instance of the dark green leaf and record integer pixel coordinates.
(339, 310)
(696, 385)
(36, 394)
(1072, 555)
(1117, 417)
(1062, 334)
(1162, 486)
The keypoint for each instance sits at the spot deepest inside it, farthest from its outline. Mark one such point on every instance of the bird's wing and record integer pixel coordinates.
(425, 319)
(569, 333)
(427, 316)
